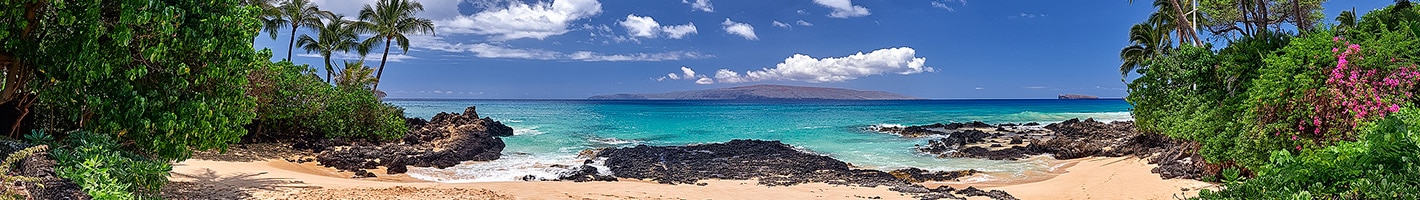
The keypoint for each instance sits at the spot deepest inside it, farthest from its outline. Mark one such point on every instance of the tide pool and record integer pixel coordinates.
(553, 132)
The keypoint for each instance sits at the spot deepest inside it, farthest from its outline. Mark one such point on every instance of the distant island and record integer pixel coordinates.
(762, 92)
(1077, 96)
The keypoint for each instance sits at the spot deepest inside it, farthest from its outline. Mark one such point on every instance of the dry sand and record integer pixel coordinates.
(1086, 178)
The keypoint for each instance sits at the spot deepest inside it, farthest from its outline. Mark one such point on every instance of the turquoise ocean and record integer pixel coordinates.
(548, 133)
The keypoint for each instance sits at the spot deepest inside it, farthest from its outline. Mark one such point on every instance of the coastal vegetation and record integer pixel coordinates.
(120, 89)
(1306, 111)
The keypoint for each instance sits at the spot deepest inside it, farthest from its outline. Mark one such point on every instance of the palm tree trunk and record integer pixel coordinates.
(292, 43)
(328, 69)
(381, 71)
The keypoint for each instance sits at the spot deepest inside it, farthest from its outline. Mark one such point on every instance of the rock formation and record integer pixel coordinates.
(445, 140)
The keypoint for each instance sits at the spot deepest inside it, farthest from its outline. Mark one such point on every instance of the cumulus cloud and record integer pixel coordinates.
(781, 24)
(843, 8)
(522, 20)
(704, 81)
(646, 27)
(701, 5)
(800, 67)
(687, 74)
(740, 29)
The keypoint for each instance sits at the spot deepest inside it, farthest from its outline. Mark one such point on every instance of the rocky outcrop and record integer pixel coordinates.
(1069, 139)
(771, 162)
(445, 140)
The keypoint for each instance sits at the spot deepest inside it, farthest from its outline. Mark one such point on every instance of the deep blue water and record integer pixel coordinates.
(549, 132)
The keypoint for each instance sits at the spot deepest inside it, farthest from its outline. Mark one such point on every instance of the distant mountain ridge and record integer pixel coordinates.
(762, 92)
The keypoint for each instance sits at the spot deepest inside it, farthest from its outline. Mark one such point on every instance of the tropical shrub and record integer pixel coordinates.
(97, 164)
(1383, 164)
(293, 102)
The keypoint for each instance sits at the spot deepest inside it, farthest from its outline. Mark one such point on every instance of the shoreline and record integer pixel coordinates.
(1090, 177)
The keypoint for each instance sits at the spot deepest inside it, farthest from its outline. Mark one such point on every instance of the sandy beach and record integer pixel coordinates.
(1085, 178)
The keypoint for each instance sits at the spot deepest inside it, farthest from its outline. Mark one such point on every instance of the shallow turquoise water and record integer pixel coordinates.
(550, 132)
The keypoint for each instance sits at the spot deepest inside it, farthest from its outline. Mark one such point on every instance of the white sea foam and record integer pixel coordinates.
(510, 167)
(526, 130)
(614, 141)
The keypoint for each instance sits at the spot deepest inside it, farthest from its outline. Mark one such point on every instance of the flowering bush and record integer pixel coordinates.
(1358, 93)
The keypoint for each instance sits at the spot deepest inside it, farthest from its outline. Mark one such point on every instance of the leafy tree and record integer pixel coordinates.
(391, 20)
(164, 77)
(334, 36)
(298, 13)
(1253, 17)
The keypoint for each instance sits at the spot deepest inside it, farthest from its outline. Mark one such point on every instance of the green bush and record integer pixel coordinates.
(164, 76)
(95, 162)
(293, 102)
(1384, 164)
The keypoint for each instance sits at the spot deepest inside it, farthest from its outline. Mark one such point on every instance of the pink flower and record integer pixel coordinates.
(1299, 147)
(1337, 38)
(1294, 137)
(1333, 50)
(1393, 108)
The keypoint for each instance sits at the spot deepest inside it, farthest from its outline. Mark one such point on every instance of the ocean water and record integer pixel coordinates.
(553, 132)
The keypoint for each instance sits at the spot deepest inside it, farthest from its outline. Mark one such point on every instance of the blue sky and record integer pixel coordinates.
(572, 49)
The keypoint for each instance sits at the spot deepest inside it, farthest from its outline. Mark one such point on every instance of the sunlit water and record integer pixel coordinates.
(552, 132)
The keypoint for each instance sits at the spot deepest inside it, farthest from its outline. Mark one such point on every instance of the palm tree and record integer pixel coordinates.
(334, 36)
(297, 13)
(356, 75)
(1147, 41)
(391, 20)
(270, 17)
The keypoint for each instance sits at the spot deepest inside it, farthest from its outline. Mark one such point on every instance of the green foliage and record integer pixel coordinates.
(1195, 94)
(39, 137)
(1385, 164)
(295, 103)
(357, 113)
(162, 76)
(7, 178)
(96, 164)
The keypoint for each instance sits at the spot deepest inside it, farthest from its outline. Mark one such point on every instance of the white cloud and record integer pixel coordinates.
(804, 23)
(980, 88)
(704, 81)
(646, 27)
(781, 24)
(688, 72)
(489, 50)
(640, 26)
(1026, 16)
(701, 5)
(659, 56)
(337, 57)
(521, 20)
(943, 4)
(740, 29)
(800, 67)
(679, 31)
(843, 8)
(802, 12)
